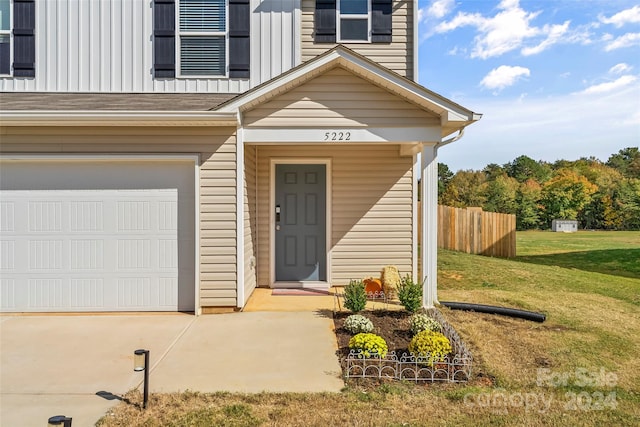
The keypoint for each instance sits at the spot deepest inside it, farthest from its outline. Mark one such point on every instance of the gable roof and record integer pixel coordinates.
(453, 117)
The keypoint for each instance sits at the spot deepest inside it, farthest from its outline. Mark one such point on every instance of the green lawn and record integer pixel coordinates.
(578, 368)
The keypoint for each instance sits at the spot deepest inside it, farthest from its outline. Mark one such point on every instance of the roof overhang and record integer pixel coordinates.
(117, 118)
(453, 117)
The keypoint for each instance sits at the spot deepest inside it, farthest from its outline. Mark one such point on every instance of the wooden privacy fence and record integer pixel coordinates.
(474, 231)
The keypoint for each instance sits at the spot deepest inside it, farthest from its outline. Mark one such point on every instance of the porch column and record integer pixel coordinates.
(429, 229)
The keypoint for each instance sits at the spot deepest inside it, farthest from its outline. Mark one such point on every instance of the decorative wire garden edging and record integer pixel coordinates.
(455, 368)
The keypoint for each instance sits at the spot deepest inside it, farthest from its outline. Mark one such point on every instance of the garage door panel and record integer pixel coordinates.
(113, 249)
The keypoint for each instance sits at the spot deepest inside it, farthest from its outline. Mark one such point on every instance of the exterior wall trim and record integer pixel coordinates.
(240, 296)
(272, 197)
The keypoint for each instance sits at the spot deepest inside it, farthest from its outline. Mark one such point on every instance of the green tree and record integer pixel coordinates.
(565, 195)
(466, 188)
(627, 162)
(501, 195)
(444, 177)
(528, 212)
(524, 168)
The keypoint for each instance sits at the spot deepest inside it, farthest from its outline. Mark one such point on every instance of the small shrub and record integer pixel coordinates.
(422, 322)
(430, 344)
(355, 298)
(410, 294)
(369, 344)
(357, 324)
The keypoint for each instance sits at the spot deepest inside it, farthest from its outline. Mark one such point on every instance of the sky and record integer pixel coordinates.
(553, 79)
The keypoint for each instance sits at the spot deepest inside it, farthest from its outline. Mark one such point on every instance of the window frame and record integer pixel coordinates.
(353, 17)
(9, 34)
(191, 34)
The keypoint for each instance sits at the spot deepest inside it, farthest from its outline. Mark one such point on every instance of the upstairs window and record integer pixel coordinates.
(203, 37)
(5, 37)
(345, 21)
(354, 23)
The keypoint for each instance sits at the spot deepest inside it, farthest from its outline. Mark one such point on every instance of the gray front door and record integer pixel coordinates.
(300, 214)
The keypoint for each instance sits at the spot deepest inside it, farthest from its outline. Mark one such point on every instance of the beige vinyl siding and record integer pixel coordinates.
(371, 220)
(339, 99)
(397, 55)
(216, 147)
(250, 230)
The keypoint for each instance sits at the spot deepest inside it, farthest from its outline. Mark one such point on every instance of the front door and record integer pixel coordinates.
(300, 214)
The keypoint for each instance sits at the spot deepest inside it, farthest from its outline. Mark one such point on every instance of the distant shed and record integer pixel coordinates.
(564, 225)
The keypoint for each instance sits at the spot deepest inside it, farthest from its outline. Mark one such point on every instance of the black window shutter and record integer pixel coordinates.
(239, 31)
(381, 21)
(164, 38)
(325, 21)
(24, 40)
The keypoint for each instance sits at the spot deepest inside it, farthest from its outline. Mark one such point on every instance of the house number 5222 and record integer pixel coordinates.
(337, 136)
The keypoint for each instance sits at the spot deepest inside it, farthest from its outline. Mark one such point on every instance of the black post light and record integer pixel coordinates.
(141, 363)
(59, 421)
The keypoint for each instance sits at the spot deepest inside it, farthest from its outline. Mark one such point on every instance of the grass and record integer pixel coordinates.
(580, 367)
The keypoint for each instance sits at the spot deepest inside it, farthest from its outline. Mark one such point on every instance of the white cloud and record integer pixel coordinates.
(547, 128)
(504, 76)
(627, 40)
(555, 34)
(620, 68)
(439, 8)
(512, 28)
(627, 16)
(609, 86)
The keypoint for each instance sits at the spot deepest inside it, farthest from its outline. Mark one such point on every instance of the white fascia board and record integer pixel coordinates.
(117, 118)
(341, 136)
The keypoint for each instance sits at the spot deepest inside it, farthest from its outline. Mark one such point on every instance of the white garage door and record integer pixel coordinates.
(97, 236)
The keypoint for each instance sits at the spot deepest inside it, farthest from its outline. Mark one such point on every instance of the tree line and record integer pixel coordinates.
(600, 195)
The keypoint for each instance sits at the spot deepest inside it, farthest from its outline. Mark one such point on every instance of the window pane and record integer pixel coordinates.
(354, 7)
(202, 56)
(5, 54)
(354, 29)
(202, 15)
(5, 18)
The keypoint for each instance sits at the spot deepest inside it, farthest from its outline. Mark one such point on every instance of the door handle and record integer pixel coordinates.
(277, 213)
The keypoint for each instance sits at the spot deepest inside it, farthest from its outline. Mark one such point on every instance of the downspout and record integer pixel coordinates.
(452, 139)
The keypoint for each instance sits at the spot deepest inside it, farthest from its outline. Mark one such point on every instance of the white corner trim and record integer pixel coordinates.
(416, 40)
(196, 271)
(240, 296)
(414, 215)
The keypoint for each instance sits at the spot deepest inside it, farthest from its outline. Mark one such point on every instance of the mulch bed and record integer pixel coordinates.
(391, 325)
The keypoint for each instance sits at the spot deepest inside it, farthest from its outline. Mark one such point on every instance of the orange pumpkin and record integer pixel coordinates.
(371, 285)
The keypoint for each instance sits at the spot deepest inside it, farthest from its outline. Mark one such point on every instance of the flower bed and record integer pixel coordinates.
(399, 364)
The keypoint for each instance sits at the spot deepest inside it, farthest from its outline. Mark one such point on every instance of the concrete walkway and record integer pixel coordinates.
(53, 365)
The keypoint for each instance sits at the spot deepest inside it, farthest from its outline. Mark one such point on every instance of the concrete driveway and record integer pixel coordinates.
(60, 365)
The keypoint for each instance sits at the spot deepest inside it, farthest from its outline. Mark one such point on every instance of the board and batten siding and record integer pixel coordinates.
(250, 229)
(107, 46)
(397, 55)
(216, 147)
(337, 98)
(371, 199)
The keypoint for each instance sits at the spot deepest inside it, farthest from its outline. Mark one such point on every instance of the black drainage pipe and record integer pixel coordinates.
(492, 309)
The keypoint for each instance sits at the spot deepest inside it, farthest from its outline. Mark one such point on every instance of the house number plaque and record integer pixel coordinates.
(337, 136)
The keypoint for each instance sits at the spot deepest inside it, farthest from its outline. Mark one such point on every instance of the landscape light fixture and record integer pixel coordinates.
(141, 363)
(59, 420)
